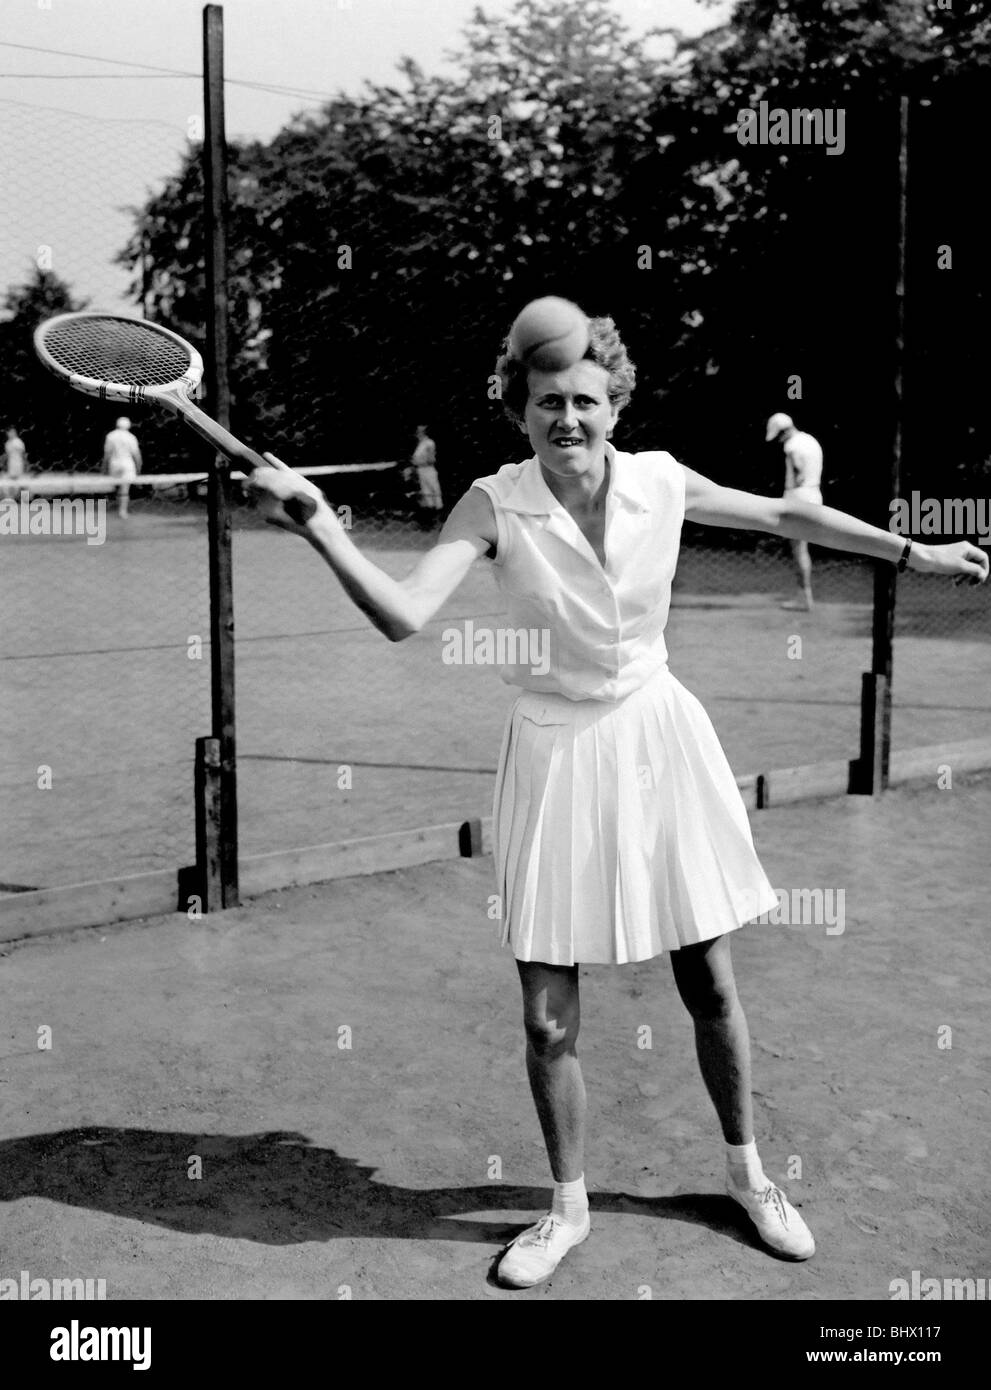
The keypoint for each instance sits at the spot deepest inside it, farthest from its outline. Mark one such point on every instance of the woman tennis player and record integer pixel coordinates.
(619, 832)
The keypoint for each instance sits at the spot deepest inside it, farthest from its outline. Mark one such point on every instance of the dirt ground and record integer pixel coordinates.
(200, 1128)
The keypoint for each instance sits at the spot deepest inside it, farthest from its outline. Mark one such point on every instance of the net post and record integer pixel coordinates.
(869, 774)
(470, 839)
(219, 487)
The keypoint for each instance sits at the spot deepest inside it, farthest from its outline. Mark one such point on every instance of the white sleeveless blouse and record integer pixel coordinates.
(602, 629)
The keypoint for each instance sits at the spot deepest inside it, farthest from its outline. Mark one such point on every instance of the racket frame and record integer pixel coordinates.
(172, 395)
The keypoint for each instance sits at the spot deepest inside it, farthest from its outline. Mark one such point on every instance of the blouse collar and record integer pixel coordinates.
(532, 495)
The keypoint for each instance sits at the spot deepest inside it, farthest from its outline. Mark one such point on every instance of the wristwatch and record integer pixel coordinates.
(903, 562)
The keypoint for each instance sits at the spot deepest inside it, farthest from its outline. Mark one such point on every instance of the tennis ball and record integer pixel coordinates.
(549, 334)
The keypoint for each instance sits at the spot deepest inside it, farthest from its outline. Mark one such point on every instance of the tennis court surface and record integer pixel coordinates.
(106, 667)
(199, 1127)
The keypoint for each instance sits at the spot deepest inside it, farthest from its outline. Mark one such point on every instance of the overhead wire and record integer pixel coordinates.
(254, 84)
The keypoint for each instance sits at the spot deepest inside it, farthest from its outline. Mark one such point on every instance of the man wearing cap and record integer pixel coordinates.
(803, 476)
(122, 460)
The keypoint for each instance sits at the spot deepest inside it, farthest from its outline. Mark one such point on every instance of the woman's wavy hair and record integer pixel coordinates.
(605, 347)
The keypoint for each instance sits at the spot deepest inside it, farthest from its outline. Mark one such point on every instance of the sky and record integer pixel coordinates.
(81, 140)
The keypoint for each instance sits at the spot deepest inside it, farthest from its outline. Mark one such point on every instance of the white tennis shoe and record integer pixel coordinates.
(536, 1253)
(778, 1223)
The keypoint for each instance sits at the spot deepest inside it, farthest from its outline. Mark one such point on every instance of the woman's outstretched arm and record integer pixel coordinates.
(711, 505)
(397, 607)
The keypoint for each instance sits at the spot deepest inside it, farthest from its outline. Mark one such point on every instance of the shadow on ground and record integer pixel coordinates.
(277, 1189)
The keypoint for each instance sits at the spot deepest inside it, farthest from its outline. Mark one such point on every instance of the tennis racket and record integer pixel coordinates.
(123, 359)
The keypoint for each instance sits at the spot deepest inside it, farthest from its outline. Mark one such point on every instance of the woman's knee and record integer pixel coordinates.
(551, 1009)
(550, 1035)
(704, 976)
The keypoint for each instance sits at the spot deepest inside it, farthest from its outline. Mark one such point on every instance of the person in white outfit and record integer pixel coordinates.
(619, 832)
(803, 483)
(122, 460)
(15, 455)
(424, 460)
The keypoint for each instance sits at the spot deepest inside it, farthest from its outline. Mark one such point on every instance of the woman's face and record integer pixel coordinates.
(568, 417)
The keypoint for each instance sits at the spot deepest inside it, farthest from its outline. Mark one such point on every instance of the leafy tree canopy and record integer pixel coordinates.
(380, 247)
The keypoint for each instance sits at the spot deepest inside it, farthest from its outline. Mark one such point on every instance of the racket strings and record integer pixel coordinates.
(117, 350)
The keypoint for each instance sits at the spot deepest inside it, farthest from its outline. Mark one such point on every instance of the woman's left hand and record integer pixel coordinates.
(961, 559)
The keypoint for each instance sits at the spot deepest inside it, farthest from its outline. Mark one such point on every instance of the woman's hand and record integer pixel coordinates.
(961, 559)
(285, 498)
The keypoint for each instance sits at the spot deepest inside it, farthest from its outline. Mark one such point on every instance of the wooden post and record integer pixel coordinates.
(208, 824)
(219, 488)
(869, 774)
(470, 839)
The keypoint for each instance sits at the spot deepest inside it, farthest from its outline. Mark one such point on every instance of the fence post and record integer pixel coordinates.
(219, 488)
(208, 824)
(869, 773)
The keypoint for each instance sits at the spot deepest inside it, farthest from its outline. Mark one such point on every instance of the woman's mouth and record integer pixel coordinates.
(570, 441)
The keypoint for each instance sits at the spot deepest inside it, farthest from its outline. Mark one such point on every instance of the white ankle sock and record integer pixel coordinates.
(571, 1201)
(745, 1166)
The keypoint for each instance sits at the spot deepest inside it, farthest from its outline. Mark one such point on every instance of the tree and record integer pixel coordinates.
(380, 248)
(807, 268)
(58, 426)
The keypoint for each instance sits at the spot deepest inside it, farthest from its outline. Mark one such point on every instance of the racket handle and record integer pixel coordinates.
(225, 442)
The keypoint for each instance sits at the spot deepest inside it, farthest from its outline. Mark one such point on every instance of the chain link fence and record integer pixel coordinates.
(362, 319)
(346, 336)
(104, 667)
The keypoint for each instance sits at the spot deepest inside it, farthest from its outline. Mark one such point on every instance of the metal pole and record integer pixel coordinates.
(871, 770)
(219, 494)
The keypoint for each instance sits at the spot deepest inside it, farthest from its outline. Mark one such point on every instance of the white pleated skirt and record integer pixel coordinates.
(619, 831)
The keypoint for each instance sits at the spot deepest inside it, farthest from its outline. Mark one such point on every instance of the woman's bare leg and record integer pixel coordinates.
(551, 1017)
(704, 976)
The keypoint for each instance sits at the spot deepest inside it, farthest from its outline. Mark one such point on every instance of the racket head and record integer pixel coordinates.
(118, 358)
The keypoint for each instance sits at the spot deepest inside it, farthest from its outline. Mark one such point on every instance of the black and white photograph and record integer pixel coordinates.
(495, 667)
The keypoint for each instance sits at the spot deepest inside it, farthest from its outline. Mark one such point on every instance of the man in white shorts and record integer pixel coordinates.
(122, 460)
(803, 478)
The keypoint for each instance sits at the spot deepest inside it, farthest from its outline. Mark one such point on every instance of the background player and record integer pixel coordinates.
(803, 479)
(425, 462)
(122, 460)
(15, 456)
